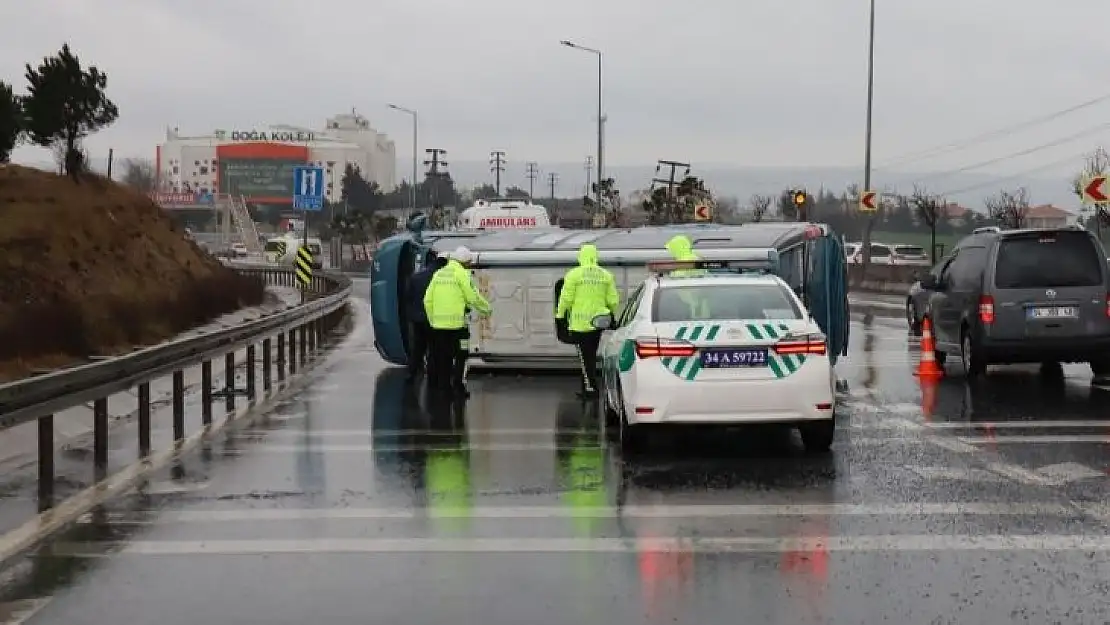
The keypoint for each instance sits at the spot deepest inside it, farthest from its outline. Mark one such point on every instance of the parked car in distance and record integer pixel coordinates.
(909, 255)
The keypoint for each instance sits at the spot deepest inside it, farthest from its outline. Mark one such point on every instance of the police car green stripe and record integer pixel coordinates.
(688, 368)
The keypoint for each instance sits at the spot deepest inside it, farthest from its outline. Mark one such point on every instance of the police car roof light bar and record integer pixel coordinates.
(762, 260)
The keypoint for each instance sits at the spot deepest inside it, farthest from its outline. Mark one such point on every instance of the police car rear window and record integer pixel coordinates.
(1048, 260)
(722, 302)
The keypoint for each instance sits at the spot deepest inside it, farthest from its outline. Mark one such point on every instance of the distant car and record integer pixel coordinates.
(1012, 296)
(752, 354)
(851, 250)
(239, 250)
(880, 254)
(913, 255)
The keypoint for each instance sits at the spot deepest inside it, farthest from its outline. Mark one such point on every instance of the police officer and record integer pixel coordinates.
(420, 332)
(446, 301)
(588, 291)
(681, 249)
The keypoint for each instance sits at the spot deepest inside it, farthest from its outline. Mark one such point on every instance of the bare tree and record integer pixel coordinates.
(139, 174)
(1095, 164)
(759, 205)
(929, 209)
(1009, 208)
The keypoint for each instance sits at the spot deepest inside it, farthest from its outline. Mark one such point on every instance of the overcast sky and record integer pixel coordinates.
(736, 82)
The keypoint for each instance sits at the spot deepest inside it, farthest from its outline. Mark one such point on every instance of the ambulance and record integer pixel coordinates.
(504, 215)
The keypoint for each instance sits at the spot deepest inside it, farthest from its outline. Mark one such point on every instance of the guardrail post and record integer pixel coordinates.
(292, 351)
(251, 364)
(229, 381)
(46, 457)
(178, 405)
(144, 419)
(206, 392)
(100, 437)
(303, 331)
(281, 357)
(266, 355)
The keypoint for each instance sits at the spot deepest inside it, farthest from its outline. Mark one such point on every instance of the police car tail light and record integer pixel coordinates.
(664, 348)
(808, 344)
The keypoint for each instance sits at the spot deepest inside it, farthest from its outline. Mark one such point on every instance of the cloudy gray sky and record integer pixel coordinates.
(740, 82)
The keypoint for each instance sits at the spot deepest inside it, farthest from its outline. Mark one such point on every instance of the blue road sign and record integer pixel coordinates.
(308, 188)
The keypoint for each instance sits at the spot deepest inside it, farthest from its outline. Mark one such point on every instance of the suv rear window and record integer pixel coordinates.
(1042, 260)
(722, 302)
(909, 250)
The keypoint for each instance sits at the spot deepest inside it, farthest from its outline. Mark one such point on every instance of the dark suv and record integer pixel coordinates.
(1032, 295)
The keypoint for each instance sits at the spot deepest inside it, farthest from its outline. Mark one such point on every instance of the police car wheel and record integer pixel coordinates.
(817, 436)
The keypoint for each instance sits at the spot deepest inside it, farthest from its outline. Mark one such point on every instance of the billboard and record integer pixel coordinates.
(263, 172)
(258, 177)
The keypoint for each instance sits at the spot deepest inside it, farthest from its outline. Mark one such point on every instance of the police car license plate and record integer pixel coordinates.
(733, 357)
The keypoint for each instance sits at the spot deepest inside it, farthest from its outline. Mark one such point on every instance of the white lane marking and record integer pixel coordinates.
(969, 474)
(20, 612)
(170, 488)
(1035, 438)
(292, 433)
(956, 425)
(952, 444)
(1020, 474)
(732, 544)
(601, 512)
(1066, 472)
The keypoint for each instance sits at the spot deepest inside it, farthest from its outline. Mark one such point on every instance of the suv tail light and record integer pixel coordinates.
(654, 347)
(809, 344)
(986, 309)
(1108, 304)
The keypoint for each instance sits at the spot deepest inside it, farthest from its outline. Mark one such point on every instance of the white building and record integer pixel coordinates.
(257, 162)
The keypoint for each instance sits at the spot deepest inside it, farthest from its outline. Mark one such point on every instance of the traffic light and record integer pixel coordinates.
(801, 200)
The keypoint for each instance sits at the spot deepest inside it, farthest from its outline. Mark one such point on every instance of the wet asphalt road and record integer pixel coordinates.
(360, 502)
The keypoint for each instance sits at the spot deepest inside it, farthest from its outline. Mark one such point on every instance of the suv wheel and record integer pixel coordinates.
(973, 365)
(817, 436)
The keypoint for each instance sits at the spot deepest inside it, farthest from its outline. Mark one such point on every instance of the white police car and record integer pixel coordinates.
(716, 348)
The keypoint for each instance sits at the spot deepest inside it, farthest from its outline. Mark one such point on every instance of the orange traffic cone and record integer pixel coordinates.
(928, 397)
(927, 367)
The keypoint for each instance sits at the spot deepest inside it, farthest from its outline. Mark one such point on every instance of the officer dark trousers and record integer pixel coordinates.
(440, 357)
(419, 344)
(587, 344)
(461, 348)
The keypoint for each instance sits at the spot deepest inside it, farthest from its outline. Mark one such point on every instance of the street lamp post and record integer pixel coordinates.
(600, 116)
(867, 131)
(412, 183)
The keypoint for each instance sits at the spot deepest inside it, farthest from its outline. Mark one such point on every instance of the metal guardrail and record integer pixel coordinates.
(298, 331)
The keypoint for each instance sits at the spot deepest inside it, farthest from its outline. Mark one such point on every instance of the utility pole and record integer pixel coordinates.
(434, 173)
(532, 172)
(552, 180)
(589, 166)
(497, 167)
(670, 180)
(867, 132)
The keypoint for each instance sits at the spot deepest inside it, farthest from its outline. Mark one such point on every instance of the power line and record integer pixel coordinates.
(1020, 174)
(497, 167)
(1083, 134)
(957, 145)
(532, 172)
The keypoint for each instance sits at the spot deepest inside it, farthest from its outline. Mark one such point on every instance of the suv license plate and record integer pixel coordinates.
(733, 358)
(1053, 312)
